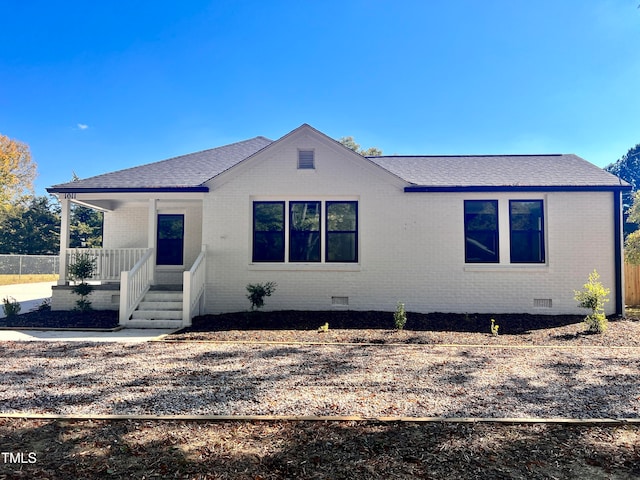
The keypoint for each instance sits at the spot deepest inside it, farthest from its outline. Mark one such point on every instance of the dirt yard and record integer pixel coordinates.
(307, 450)
(55, 376)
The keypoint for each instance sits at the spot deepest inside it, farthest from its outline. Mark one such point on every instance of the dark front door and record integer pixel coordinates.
(170, 240)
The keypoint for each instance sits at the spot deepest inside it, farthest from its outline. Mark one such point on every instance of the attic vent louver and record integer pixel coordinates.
(542, 303)
(306, 160)
(340, 301)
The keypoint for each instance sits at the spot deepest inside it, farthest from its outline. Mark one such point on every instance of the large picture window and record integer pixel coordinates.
(526, 220)
(342, 232)
(481, 231)
(268, 232)
(316, 231)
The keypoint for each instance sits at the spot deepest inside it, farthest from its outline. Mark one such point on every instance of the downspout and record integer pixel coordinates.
(617, 241)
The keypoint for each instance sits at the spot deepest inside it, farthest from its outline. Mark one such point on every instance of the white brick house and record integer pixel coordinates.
(485, 234)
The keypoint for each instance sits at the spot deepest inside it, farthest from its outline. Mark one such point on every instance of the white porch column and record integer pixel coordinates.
(64, 239)
(153, 233)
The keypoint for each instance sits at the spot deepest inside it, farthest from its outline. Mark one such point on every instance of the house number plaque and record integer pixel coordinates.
(70, 196)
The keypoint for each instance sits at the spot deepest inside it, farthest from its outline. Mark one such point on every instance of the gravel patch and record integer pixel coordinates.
(365, 380)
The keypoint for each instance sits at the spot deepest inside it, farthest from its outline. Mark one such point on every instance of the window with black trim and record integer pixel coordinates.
(526, 225)
(268, 231)
(309, 224)
(342, 232)
(304, 231)
(481, 231)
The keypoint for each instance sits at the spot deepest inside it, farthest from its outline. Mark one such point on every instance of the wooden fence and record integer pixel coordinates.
(631, 284)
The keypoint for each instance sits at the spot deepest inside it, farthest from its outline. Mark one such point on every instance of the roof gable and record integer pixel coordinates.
(301, 136)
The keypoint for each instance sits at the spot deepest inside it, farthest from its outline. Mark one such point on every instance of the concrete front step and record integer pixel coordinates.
(159, 296)
(158, 314)
(158, 309)
(143, 323)
(145, 305)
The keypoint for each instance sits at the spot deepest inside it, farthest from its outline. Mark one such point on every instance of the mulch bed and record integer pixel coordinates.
(434, 328)
(103, 319)
(510, 324)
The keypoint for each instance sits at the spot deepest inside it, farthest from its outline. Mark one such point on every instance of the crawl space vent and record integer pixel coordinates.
(542, 303)
(340, 301)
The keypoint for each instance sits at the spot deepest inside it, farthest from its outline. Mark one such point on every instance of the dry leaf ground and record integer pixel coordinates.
(331, 450)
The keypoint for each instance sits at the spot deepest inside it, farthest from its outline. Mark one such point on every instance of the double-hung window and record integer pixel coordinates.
(526, 225)
(526, 231)
(304, 231)
(297, 235)
(481, 231)
(268, 232)
(342, 231)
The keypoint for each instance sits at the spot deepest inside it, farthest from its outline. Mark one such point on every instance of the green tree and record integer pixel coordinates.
(17, 173)
(350, 143)
(632, 240)
(32, 227)
(628, 168)
(85, 227)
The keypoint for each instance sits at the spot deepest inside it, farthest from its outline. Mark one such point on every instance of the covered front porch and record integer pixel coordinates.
(152, 265)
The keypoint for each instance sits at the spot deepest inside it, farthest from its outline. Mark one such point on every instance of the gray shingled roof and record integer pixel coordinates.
(193, 170)
(498, 170)
(186, 171)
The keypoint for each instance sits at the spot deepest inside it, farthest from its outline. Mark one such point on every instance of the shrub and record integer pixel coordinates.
(45, 306)
(494, 328)
(324, 328)
(258, 291)
(11, 307)
(83, 268)
(400, 316)
(596, 322)
(593, 296)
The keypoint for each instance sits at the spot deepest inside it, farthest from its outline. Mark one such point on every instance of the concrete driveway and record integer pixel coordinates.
(128, 335)
(30, 295)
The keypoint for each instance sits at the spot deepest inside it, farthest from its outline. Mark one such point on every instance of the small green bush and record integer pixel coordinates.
(593, 296)
(324, 328)
(83, 268)
(10, 306)
(400, 316)
(494, 328)
(258, 291)
(596, 322)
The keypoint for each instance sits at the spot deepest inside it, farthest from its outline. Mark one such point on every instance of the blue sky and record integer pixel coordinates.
(98, 86)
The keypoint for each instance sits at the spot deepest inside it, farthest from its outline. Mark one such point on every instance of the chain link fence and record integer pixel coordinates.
(29, 264)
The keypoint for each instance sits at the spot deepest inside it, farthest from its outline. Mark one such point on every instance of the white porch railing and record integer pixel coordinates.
(193, 282)
(135, 283)
(109, 261)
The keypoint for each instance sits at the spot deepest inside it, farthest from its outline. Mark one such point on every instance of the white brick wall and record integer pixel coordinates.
(411, 246)
(128, 226)
(64, 299)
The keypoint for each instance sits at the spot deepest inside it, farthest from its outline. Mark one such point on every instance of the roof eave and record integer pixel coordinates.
(516, 188)
(199, 188)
